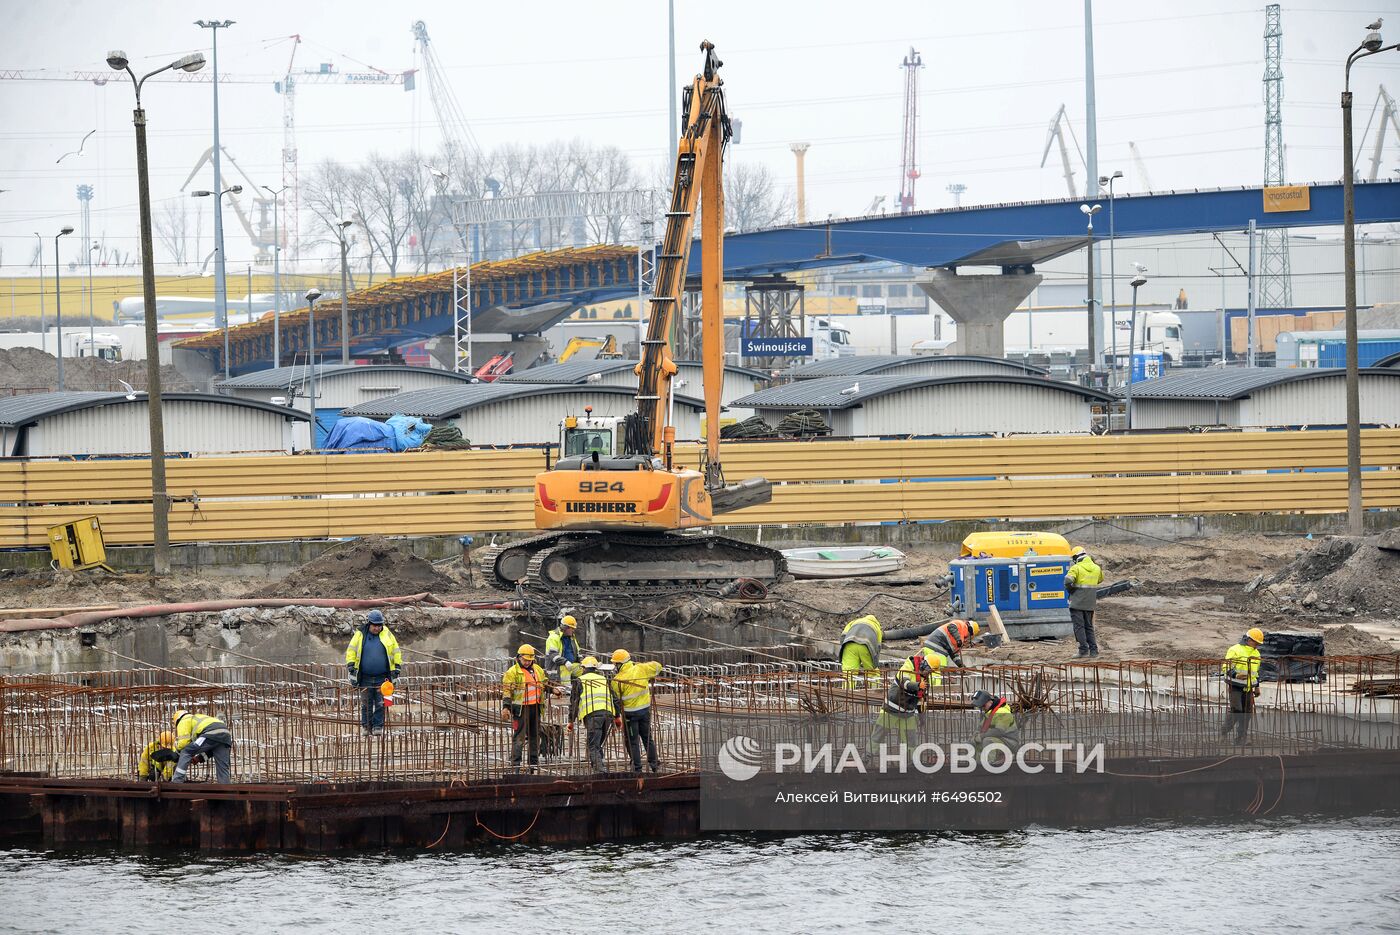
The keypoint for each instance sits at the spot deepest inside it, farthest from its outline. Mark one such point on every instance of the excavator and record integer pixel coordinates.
(622, 514)
(607, 348)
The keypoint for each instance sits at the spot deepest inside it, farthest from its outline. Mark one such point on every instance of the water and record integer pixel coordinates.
(1271, 876)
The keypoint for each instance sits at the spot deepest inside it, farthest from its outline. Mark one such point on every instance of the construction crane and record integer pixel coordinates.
(1058, 126)
(909, 157)
(613, 505)
(1144, 180)
(457, 137)
(284, 84)
(262, 236)
(1386, 105)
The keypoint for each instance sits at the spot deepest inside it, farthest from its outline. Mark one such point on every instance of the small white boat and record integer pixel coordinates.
(844, 562)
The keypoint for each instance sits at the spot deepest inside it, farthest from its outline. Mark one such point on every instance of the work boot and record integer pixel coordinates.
(1083, 654)
(1093, 654)
(377, 731)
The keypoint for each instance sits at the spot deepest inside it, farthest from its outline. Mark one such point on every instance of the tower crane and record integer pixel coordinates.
(1058, 125)
(612, 508)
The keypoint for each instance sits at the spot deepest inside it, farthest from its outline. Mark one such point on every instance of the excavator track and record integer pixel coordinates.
(510, 563)
(574, 563)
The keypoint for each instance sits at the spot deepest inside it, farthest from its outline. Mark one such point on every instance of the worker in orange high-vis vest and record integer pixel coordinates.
(522, 692)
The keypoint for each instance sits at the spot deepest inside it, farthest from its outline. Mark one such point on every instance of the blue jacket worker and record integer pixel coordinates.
(372, 657)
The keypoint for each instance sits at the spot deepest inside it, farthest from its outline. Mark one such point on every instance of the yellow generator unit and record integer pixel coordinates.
(78, 545)
(1013, 544)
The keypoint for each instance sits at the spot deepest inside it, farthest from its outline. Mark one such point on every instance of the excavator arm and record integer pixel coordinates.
(698, 183)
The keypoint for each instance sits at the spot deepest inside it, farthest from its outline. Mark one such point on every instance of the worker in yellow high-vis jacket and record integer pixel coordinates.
(157, 760)
(1240, 669)
(860, 649)
(632, 689)
(203, 736)
(591, 704)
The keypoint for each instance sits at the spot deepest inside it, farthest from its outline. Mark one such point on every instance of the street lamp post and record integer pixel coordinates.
(92, 328)
(43, 312)
(340, 228)
(58, 300)
(276, 278)
(220, 285)
(160, 504)
(1108, 180)
(1139, 280)
(1089, 212)
(1369, 46)
(311, 296)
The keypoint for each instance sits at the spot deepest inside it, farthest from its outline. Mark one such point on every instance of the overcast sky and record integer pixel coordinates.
(1182, 80)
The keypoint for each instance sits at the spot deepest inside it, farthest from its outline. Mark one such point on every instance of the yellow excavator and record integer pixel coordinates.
(607, 348)
(613, 506)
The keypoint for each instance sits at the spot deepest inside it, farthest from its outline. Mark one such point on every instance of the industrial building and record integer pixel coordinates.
(1392, 361)
(1263, 397)
(520, 413)
(67, 424)
(338, 387)
(1323, 349)
(985, 404)
(689, 378)
(922, 365)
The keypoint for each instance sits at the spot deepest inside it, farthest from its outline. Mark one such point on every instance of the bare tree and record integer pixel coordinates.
(752, 199)
(172, 228)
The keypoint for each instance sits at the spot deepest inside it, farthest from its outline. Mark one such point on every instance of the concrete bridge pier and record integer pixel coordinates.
(979, 303)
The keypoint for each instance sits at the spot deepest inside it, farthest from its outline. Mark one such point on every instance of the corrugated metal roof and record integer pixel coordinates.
(445, 401)
(1392, 361)
(1236, 382)
(280, 378)
(578, 371)
(843, 392)
(874, 363)
(21, 410)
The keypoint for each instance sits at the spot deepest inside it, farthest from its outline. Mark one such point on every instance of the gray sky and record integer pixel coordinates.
(1183, 80)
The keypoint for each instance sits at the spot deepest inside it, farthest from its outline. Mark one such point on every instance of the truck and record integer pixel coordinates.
(829, 340)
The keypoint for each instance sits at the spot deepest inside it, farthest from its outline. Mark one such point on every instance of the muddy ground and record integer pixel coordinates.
(1193, 599)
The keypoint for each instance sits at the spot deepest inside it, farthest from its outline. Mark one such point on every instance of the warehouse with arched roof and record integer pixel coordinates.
(338, 387)
(1392, 361)
(520, 413)
(1264, 397)
(924, 365)
(689, 379)
(996, 404)
(69, 424)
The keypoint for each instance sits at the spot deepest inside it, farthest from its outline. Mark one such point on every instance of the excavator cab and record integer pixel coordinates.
(586, 436)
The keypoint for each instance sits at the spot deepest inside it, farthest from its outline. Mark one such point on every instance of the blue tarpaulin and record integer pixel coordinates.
(398, 433)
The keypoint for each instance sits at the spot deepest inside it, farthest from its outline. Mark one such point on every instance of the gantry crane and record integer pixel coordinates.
(613, 506)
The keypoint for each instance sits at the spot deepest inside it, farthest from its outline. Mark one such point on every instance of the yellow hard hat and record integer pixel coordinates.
(179, 714)
(1256, 634)
(166, 738)
(1076, 551)
(568, 621)
(620, 656)
(976, 628)
(526, 650)
(590, 662)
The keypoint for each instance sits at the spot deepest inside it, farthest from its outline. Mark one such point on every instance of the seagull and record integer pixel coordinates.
(1139, 267)
(79, 150)
(130, 390)
(1374, 27)
(436, 172)
(851, 390)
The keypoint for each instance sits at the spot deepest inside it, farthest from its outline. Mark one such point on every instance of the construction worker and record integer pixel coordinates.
(1082, 582)
(1241, 673)
(860, 648)
(522, 691)
(944, 646)
(372, 658)
(561, 651)
(999, 727)
(903, 700)
(199, 735)
(632, 688)
(158, 758)
(591, 702)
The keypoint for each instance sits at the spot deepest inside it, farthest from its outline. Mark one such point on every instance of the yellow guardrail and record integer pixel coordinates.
(436, 493)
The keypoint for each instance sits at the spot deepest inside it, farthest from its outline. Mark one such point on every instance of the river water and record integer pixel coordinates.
(1271, 876)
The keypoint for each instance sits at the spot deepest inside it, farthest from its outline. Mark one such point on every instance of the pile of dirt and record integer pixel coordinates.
(1338, 574)
(63, 588)
(372, 566)
(31, 369)
(1347, 640)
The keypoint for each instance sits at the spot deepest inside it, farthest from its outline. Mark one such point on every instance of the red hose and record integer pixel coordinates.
(89, 617)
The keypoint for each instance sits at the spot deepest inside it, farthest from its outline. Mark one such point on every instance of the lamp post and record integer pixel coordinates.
(85, 199)
(1139, 280)
(43, 314)
(58, 299)
(160, 505)
(220, 284)
(311, 296)
(1369, 46)
(92, 328)
(276, 277)
(1108, 180)
(220, 280)
(339, 231)
(1089, 212)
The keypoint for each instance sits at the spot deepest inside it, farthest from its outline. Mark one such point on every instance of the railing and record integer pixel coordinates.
(861, 481)
(295, 723)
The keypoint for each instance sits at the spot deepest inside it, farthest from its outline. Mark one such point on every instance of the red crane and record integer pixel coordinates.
(909, 165)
